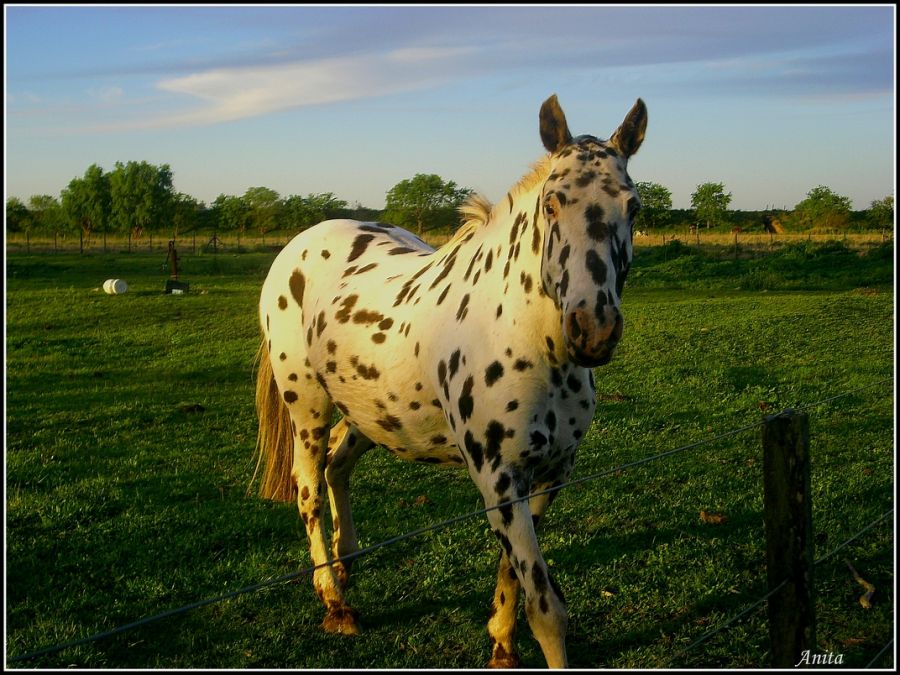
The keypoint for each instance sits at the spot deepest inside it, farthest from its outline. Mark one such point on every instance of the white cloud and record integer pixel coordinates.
(228, 94)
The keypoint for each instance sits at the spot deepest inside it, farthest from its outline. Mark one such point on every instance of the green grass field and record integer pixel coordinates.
(130, 430)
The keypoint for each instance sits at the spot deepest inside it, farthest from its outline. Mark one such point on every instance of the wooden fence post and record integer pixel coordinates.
(789, 537)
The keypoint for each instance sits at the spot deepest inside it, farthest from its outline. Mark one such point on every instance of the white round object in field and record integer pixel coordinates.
(115, 286)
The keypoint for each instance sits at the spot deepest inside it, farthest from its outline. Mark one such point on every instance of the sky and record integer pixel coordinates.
(770, 101)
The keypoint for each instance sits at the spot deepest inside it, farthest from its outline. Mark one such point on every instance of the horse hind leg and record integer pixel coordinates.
(345, 447)
(310, 413)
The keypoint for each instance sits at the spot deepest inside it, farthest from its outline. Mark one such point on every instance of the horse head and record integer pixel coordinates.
(588, 203)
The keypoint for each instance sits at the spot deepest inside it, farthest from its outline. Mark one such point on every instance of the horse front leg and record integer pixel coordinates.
(545, 607)
(502, 623)
(311, 434)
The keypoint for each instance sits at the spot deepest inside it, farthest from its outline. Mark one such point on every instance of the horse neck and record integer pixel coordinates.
(516, 230)
(513, 239)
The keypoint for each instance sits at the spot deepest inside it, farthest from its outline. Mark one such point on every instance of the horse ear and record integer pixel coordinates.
(554, 129)
(630, 134)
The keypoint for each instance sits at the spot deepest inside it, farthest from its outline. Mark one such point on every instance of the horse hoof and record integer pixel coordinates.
(342, 621)
(503, 659)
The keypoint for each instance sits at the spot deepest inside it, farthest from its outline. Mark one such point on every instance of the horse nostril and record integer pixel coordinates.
(609, 323)
(593, 336)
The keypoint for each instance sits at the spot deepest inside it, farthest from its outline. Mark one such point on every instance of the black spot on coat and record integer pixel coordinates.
(297, 285)
(493, 373)
(466, 402)
(463, 308)
(475, 450)
(454, 364)
(360, 244)
(596, 267)
(597, 229)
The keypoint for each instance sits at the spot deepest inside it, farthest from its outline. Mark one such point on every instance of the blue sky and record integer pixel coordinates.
(769, 100)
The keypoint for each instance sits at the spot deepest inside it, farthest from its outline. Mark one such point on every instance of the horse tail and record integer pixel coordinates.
(274, 440)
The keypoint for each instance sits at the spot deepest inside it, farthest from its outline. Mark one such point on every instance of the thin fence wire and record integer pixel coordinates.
(846, 393)
(68, 241)
(414, 533)
(758, 603)
(871, 664)
(856, 536)
(737, 617)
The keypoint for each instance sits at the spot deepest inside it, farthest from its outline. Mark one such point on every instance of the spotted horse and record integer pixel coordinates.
(477, 354)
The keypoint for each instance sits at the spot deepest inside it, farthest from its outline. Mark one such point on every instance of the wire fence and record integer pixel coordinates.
(231, 241)
(151, 242)
(880, 654)
(755, 606)
(758, 604)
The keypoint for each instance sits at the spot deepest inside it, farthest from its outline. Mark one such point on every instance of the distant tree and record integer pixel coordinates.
(296, 214)
(264, 208)
(302, 212)
(230, 213)
(141, 197)
(86, 202)
(656, 210)
(710, 204)
(424, 200)
(881, 212)
(46, 212)
(186, 213)
(18, 218)
(822, 208)
(324, 205)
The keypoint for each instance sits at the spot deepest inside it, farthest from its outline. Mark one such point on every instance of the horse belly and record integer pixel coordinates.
(391, 405)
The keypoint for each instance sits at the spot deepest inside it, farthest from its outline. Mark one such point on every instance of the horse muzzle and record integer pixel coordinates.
(591, 339)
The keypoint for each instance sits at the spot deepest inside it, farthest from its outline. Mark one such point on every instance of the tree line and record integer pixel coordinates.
(137, 197)
(822, 209)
